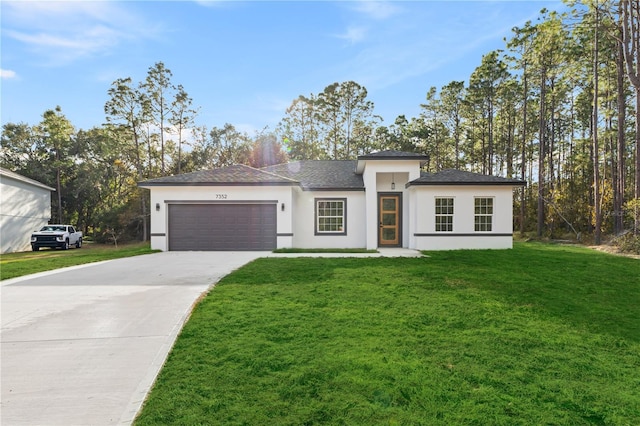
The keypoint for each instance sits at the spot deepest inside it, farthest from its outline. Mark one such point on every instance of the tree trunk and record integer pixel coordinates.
(596, 150)
(636, 213)
(523, 174)
(619, 183)
(541, 155)
(631, 48)
(59, 193)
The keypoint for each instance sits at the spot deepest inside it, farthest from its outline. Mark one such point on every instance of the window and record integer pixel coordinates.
(483, 214)
(331, 216)
(444, 214)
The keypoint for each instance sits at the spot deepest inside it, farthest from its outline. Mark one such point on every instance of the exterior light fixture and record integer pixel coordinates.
(393, 181)
(157, 207)
(282, 206)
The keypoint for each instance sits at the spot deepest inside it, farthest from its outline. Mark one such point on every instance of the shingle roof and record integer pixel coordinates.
(231, 175)
(325, 175)
(460, 177)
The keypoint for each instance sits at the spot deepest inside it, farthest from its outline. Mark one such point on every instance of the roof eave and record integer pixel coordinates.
(414, 183)
(149, 184)
(333, 189)
(18, 177)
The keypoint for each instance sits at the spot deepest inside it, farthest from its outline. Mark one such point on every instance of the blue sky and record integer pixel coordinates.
(244, 62)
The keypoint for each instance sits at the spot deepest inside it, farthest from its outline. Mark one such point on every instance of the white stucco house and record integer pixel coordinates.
(25, 206)
(381, 199)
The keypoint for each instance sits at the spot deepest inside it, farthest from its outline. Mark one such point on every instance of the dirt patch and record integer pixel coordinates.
(613, 250)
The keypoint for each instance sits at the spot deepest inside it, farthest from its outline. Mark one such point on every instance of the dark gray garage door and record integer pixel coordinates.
(209, 227)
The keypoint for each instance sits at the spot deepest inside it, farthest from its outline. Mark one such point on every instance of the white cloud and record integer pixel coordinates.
(378, 10)
(62, 32)
(423, 41)
(7, 74)
(208, 3)
(354, 34)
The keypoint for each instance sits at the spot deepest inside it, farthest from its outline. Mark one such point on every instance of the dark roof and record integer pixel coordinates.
(328, 175)
(393, 155)
(238, 175)
(460, 177)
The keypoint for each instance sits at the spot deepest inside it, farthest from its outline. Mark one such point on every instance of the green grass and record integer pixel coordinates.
(14, 265)
(537, 335)
(320, 250)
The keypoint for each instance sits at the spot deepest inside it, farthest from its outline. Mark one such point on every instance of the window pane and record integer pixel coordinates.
(389, 234)
(330, 216)
(388, 218)
(389, 204)
(483, 223)
(444, 214)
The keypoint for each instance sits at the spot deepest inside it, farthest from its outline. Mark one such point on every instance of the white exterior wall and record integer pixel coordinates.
(24, 208)
(305, 216)
(164, 195)
(378, 174)
(464, 235)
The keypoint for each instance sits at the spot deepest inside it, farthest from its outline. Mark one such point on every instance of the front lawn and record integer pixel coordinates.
(540, 334)
(14, 265)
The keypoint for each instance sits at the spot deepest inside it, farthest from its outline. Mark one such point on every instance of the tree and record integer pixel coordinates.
(357, 112)
(299, 130)
(183, 117)
(630, 23)
(229, 146)
(483, 88)
(127, 112)
(594, 133)
(266, 151)
(18, 151)
(435, 134)
(159, 92)
(57, 131)
(332, 121)
(341, 108)
(522, 42)
(452, 98)
(547, 52)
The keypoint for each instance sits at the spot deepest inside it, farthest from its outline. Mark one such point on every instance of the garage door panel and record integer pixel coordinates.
(210, 227)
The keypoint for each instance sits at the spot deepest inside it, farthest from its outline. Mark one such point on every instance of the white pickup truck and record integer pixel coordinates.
(56, 236)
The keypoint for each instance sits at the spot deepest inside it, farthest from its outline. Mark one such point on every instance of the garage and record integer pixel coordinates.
(222, 227)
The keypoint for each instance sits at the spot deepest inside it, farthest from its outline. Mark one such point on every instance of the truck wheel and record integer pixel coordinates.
(79, 243)
(65, 245)
(35, 248)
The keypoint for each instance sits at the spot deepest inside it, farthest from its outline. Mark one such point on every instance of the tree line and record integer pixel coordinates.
(558, 107)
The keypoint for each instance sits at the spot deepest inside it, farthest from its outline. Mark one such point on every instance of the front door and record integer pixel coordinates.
(389, 212)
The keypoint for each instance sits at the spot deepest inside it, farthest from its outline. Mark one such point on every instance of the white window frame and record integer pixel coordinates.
(483, 214)
(448, 214)
(340, 230)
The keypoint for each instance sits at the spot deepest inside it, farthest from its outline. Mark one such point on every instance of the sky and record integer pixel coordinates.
(244, 63)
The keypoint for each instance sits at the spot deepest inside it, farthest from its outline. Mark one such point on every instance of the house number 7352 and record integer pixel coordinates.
(221, 196)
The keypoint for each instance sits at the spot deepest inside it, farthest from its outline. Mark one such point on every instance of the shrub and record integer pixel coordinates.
(629, 243)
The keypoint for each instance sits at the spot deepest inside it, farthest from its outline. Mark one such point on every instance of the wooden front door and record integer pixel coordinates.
(389, 218)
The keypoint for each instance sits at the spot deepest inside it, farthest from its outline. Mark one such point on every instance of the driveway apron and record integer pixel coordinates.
(82, 346)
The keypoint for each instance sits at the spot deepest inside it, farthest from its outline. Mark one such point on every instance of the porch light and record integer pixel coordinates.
(393, 181)
(157, 207)
(282, 206)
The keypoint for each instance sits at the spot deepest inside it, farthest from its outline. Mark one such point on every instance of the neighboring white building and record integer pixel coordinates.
(25, 206)
(379, 200)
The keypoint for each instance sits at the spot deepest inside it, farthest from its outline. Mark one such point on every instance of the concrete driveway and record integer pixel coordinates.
(82, 346)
